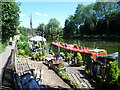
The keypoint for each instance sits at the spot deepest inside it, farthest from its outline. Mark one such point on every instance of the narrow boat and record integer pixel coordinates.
(94, 52)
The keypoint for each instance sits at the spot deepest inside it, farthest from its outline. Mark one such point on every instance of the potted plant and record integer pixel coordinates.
(63, 55)
(40, 55)
(51, 52)
(43, 58)
(72, 83)
(21, 52)
(79, 59)
(36, 56)
(33, 56)
(69, 56)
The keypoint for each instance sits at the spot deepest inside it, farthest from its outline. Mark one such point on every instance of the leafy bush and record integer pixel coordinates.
(21, 52)
(70, 55)
(33, 55)
(66, 77)
(72, 83)
(40, 53)
(112, 75)
(20, 45)
(61, 73)
(26, 48)
(43, 57)
(51, 51)
(63, 55)
(110, 80)
(79, 57)
(43, 53)
(18, 61)
(23, 38)
(60, 65)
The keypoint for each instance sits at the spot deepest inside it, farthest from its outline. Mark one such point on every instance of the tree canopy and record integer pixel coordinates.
(9, 20)
(51, 29)
(100, 18)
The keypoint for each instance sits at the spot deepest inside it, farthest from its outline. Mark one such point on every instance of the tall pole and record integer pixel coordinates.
(31, 32)
(42, 37)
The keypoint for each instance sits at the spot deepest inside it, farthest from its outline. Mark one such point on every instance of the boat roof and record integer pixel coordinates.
(82, 50)
(113, 56)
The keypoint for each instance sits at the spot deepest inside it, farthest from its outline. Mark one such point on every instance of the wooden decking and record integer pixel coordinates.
(79, 78)
(78, 75)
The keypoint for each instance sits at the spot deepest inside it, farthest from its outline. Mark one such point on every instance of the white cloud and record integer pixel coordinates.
(37, 13)
(21, 14)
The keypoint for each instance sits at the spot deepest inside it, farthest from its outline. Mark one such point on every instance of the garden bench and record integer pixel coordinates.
(23, 68)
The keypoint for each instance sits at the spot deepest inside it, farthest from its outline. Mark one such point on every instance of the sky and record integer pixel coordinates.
(42, 12)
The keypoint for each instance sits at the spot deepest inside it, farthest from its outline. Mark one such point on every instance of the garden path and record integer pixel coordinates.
(4, 57)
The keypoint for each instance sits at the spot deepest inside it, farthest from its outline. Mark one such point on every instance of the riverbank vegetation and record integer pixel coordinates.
(101, 19)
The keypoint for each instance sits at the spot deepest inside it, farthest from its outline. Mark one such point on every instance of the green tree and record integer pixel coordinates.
(10, 19)
(51, 29)
(41, 28)
(24, 32)
(54, 27)
(98, 18)
(70, 27)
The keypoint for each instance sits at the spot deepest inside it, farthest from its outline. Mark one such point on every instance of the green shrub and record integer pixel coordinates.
(70, 55)
(43, 57)
(79, 57)
(18, 61)
(33, 55)
(63, 55)
(72, 83)
(61, 73)
(21, 52)
(60, 65)
(26, 48)
(66, 77)
(40, 53)
(51, 51)
(20, 45)
(112, 74)
(43, 53)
